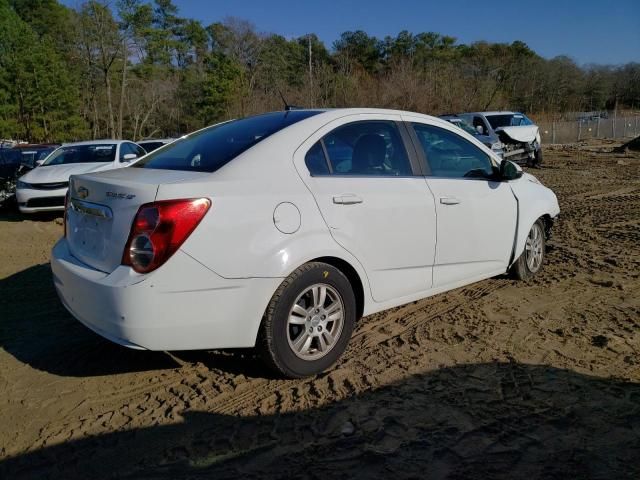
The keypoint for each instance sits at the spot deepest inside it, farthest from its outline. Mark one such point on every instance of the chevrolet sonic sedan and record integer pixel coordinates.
(281, 230)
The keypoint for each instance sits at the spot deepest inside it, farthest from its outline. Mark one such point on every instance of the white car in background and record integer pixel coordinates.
(44, 188)
(520, 137)
(283, 229)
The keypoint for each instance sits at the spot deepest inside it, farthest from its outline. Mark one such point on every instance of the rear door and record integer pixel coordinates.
(371, 195)
(476, 215)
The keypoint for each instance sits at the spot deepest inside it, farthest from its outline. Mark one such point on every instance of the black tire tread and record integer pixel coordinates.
(519, 270)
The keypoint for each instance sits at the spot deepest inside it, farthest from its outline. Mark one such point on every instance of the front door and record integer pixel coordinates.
(476, 213)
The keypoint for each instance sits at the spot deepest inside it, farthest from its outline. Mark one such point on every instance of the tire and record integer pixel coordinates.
(531, 260)
(300, 320)
(537, 159)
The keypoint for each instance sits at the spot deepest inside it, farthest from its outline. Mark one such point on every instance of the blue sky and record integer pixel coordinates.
(589, 31)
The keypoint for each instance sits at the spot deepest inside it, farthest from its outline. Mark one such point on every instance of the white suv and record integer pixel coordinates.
(283, 229)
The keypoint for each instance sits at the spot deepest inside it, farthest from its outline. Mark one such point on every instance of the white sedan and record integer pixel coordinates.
(44, 188)
(282, 230)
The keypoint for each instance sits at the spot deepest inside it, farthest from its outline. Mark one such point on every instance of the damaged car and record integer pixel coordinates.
(280, 231)
(9, 165)
(520, 137)
(491, 141)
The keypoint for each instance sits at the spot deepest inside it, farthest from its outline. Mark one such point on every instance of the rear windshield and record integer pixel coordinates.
(508, 120)
(82, 154)
(213, 147)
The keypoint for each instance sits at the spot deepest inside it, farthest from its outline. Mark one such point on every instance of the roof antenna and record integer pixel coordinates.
(287, 107)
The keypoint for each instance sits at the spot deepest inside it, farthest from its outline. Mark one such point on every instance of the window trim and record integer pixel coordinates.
(325, 152)
(423, 155)
(405, 139)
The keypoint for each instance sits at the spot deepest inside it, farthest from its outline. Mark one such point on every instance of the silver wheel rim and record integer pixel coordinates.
(534, 248)
(315, 322)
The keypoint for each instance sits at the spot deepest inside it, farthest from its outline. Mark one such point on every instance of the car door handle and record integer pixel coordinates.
(449, 200)
(347, 199)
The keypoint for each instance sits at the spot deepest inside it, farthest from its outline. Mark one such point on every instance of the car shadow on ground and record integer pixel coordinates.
(37, 330)
(12, 214)
(480, 421)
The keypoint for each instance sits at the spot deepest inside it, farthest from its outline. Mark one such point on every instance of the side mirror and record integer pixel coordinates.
(480, 129)
(129, 156)
(38, 163)
(509, 170)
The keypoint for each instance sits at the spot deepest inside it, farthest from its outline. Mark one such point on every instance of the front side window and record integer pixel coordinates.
(209, 149)
(450, 155)
(367, 148)
(126, 149)
(478, 122)
(82, 154)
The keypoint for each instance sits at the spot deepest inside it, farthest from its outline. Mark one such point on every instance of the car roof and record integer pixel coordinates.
(492, 113)
(31, 146)
(155, 140)
(328, 114)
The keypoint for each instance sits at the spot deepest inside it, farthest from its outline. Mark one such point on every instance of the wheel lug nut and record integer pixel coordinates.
(317, 310)
(323, 317)
(311, 330)
(319, 328)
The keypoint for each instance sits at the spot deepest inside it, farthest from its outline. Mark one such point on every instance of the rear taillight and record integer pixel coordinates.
(159, 229)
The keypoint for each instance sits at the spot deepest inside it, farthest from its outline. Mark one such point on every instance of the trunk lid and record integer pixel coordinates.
(102, 207)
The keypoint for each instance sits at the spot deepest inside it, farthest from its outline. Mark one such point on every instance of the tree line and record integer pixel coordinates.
(137, 69)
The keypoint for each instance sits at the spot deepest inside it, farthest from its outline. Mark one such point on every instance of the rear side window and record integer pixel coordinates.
(450, 155)
(316, 161)
(368, 148)
(213, 147)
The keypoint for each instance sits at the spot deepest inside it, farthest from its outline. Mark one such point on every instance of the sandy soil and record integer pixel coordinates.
(495, 380)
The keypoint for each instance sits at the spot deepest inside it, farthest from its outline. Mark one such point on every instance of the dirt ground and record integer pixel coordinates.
(495, 380)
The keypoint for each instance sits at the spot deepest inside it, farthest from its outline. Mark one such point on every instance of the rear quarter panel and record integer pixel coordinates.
(238, 237)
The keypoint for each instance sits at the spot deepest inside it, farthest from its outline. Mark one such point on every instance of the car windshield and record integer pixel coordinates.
(209, 149)
(30, 157)
(97, 153)
(508, 120)
(464, 126)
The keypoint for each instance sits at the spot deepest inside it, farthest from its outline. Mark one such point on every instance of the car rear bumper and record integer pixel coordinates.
(31, 200)
(181, 306)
